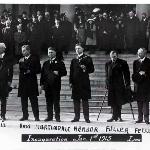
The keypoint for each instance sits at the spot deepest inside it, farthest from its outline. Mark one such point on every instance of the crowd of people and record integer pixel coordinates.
(24, 39)
(117, 83)
(106, 31)
(96, 30)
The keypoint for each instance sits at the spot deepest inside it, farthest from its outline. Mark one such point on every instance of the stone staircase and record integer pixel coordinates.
(97, 86)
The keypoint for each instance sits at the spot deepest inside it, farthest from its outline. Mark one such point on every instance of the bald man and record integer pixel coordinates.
(117, 80)
(141, 79)
(6, 74)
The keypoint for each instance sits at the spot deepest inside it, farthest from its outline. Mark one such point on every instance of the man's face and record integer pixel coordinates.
(24, 15)
(2, 50)
(25, 52)
(19, 27)
(40, 17)
(141, 53)
(105, 15)
(8, 23)
(79, 49)
(47, 15)
(131, 14)
(51, 53)
(19, 20)
(113, 56)
(57, 22)
(143, 16)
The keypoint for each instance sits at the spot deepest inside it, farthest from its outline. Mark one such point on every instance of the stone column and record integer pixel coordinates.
(69, 10)
(142, 8)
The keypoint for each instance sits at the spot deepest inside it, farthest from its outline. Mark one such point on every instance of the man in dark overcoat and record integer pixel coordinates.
(141, 79)
(29, 67)
(117, 79)
(80, 69)
(67, 28)
(131, 32)
(6, 75)
(8, 38)
(52, 71)
(58, 38)
(105, 31)
(143, 25)
(20, 39)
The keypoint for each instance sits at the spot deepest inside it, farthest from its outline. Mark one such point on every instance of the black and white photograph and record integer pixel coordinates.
(74, 76)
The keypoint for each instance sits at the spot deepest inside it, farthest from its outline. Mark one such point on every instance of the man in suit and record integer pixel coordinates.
(80, 69)
(58, 38)
(29, 66)
(8, 39)
(143, 25)
(52, 71)
(6, 74)
(131, 32)
(19, 40)
(117, 80)
(141, 79)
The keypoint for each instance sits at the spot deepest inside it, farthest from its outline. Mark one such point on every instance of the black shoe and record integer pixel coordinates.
(87, 121)
(75, 120)
(120, 119)
(3, 118)
(37, 119)
(48, 119)
(147, 122)
(58, 120)
(111, 120)
(139, 121)
(23, 118)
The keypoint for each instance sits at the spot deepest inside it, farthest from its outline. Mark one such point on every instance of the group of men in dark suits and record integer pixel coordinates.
(52, 71)
(118, 81)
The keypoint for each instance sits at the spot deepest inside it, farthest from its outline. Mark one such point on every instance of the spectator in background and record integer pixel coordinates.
(2, 22)
(99, 34)
(48, 33)
(105, 31)
(33, 35)
(25, 21)
(119, 36)
(20, 39)
(12, 22)
(143, 24)
(81, 34)
(67, 31)
(131, 32)
(8, 39)
(58, 38)
(91, 35)
(42, 32)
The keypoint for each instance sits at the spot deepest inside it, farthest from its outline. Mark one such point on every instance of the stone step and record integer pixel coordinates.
(97, 85)
(42, 109)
